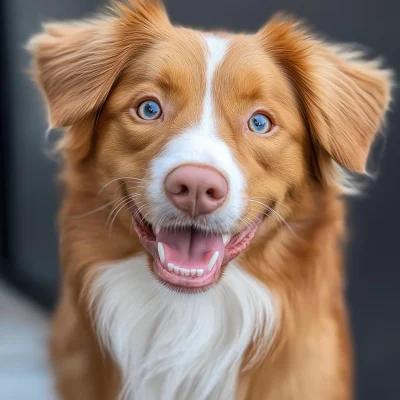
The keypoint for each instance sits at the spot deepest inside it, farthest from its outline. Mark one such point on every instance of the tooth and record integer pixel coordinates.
(170, 267)
(193, 272)
(157, 229)
(199, 272)
(213, 260)
(176, 269)
(161, 252)
(226, 238)
(185, 272)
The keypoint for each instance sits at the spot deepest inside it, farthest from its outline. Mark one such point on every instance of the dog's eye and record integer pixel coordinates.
(149, 110)
(259, 123)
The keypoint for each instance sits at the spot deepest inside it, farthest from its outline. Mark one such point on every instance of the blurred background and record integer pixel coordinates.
(29, 197)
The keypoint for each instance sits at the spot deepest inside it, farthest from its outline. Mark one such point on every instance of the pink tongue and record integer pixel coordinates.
(189, 248)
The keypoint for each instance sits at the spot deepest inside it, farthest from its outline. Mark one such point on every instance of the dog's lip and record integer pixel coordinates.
(176, 279)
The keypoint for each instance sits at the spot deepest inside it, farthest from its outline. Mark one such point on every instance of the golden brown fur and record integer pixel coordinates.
(329, 105)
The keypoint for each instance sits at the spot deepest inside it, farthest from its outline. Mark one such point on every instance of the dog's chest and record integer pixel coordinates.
(178, 346)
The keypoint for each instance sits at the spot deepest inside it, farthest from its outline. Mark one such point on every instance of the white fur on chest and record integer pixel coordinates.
(176, 346)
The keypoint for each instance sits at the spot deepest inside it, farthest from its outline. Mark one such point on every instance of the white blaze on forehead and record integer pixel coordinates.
(200, 143)
(216, 49)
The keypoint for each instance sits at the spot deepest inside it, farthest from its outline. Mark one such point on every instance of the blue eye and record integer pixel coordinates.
(259, 123)
(149, 110)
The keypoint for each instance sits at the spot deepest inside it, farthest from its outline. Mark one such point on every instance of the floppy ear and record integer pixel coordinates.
(77, 63)
(343, 98)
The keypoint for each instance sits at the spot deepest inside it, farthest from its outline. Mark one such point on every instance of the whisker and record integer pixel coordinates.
(139, 187)
(246, 223)
(148, 213)
(93, 211)
(125, 199)
(160, 220)
(268, 215)
(282, 219)
(265, 214)
(120, 201)
(138, 210)
(116, 190)
(116, 209)
(275, 213)
(262, 210)
(129, 178)
(272, 199)
(119, 210)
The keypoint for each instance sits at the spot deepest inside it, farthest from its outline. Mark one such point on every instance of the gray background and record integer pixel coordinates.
(30, 192)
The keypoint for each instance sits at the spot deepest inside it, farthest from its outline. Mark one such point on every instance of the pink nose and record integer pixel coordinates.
(196, 190)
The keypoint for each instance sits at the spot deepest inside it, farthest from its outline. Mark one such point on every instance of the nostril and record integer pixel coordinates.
(210, 193)
(216, 193)
(183, 190)
(177, 189)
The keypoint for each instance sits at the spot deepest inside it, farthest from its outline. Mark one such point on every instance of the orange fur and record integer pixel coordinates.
(328, 106)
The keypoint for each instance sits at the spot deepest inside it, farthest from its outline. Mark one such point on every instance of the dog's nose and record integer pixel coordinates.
(196, 190)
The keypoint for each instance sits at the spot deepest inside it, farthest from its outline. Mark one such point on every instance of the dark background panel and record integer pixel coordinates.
(3, 138)
(31, 192)
(31, 195)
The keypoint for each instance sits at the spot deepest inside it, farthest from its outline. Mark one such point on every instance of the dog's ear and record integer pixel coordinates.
(77, 63)
(343, 98)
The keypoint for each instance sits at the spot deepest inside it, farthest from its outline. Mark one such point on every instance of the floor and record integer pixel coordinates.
(24, 370)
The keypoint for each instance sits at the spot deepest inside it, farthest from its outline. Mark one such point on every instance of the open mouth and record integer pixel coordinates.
(188, 258)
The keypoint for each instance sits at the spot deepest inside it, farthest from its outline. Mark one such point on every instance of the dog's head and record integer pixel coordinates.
(206, 133)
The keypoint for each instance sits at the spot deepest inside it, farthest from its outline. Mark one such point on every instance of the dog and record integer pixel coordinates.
(202, 222)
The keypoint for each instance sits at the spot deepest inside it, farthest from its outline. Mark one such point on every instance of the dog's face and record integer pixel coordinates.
(209, 130)
(206, 133)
